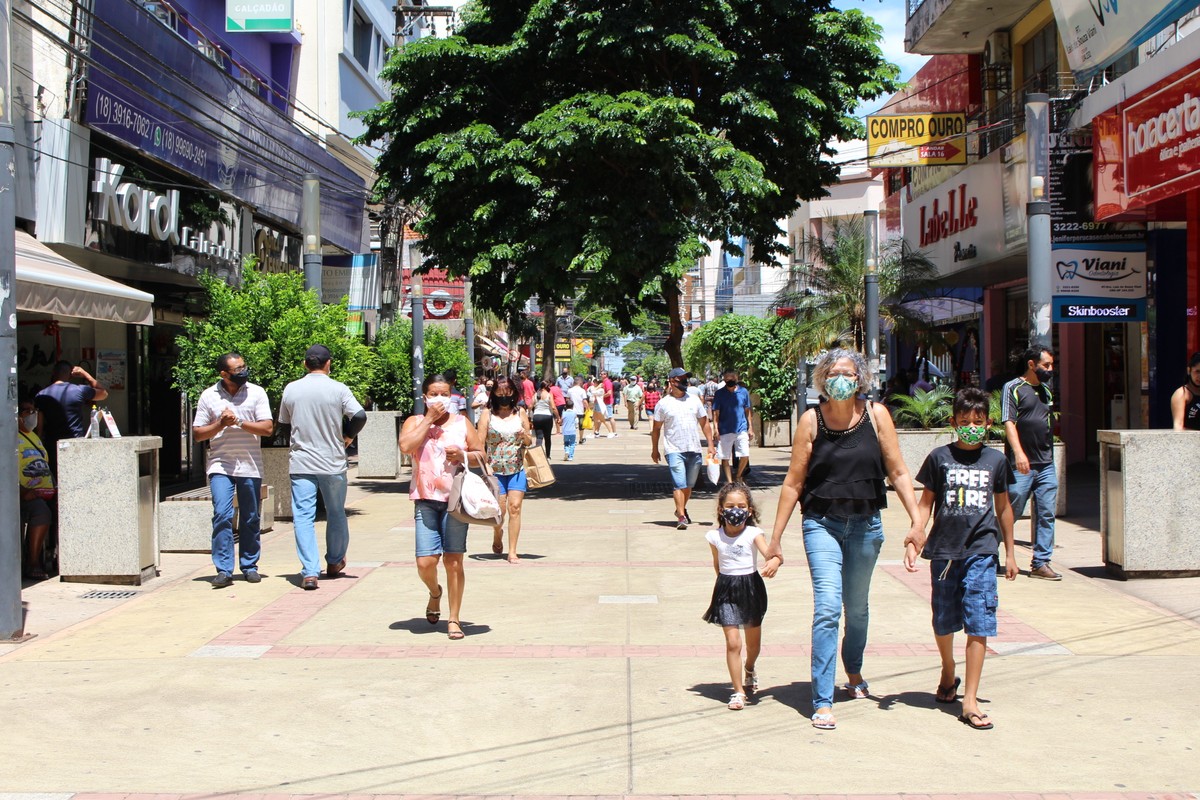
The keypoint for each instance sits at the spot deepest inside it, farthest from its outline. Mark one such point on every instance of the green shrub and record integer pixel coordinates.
(271, 320)
(392, 388)
(924, 409)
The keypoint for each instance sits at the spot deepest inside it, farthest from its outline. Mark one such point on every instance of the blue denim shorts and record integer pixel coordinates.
(437, 531)
(964, 595)
(685, 468)
(512, 483)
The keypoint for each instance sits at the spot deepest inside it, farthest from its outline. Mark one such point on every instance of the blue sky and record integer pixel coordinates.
(890, 15)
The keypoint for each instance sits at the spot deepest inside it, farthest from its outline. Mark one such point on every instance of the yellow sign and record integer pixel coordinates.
(562, 350)
(916, 140)
(582, 346)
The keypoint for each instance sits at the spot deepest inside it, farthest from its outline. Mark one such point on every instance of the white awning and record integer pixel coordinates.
(47, 283)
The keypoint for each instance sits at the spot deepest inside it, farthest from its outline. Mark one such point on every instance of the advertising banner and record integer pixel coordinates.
(1099, 267)
(151, 89)
(916, 140)
(1096, 33)
(960, 224)
(443, 295)
(1147, 149)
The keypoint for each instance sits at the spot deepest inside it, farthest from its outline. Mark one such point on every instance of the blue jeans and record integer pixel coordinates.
(304, 517)
(249, 545)
(685, 468)
(841, 558)
(1042, 483)
(436, 531)
(569, 443)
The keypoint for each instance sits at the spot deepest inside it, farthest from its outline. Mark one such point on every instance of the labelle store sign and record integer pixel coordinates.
(1147, 149)
(960, 224)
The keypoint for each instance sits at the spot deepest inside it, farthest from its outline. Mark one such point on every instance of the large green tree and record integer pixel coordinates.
(565, 148)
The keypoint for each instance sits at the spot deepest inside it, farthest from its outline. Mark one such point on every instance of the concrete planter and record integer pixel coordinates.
(774, 432)
(1060, 471)
(378, 452)
(275, 475)
(916, 444)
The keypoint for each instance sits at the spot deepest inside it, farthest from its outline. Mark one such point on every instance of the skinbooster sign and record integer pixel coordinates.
(1099, 267)
(1095, 33)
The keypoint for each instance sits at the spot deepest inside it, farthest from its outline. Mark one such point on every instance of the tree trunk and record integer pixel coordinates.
(674, 343)
(549, 337)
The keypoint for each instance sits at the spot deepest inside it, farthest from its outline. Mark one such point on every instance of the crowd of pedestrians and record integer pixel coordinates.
(844, 454)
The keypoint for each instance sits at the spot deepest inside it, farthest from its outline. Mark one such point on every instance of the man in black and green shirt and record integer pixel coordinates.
(1025, 412)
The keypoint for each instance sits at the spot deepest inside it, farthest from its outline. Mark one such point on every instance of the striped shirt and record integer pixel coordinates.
(233, 451)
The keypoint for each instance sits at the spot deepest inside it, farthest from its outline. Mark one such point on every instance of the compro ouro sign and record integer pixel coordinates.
(907, 140)
(960, 224)
(259, 15)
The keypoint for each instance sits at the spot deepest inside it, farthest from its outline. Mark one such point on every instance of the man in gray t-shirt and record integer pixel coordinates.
(324, 418)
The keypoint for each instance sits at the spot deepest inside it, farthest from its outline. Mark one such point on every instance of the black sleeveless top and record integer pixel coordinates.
(1191, 411)
(845, 472)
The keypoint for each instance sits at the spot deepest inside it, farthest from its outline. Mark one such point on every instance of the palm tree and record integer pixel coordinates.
(828, 290)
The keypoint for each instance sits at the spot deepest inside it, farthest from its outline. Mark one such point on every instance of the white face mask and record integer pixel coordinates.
(30, 422)
(443, 401)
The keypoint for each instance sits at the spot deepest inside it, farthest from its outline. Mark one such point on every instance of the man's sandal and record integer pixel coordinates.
(737, 701)
(432, 616)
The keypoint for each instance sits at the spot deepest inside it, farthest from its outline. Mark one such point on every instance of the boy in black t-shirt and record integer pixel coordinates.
(966, 484)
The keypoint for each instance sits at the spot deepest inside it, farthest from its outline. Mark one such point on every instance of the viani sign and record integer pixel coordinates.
(259, 17)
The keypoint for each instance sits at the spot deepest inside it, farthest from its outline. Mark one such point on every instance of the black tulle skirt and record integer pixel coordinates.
(738, 600)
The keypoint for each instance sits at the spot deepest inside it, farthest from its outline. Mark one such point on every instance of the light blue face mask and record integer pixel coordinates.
(841, 387)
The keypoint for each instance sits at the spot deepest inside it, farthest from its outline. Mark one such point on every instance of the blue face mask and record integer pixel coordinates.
(841, 387)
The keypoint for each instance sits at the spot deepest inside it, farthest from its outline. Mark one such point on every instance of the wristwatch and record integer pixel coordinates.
(238, 424)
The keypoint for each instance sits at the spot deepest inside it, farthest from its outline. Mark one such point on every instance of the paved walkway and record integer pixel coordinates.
(586, 671)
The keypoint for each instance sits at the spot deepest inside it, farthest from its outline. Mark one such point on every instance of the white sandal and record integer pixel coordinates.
(737, 701)
(751, 682)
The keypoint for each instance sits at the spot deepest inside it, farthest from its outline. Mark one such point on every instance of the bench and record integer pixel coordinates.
(185, 520)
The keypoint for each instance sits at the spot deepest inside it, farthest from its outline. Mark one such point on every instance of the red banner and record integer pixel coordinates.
(443, 296)
(1147, 149)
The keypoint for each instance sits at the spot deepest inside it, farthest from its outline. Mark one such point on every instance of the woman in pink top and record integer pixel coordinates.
(436, 442)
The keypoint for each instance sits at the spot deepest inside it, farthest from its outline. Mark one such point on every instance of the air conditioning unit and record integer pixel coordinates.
(997, 50)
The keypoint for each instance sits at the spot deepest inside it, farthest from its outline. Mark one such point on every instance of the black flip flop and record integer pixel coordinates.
(947, 694)
(968, 720)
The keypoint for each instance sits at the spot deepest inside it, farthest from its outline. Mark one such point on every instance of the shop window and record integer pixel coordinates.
(363, 31)
(1039, 65)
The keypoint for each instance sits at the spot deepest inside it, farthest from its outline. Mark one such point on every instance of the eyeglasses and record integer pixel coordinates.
(844, 374)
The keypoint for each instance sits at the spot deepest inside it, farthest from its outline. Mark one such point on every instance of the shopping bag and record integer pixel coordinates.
(587, 420)
(537, 468)
(713, 465)
(475, 499)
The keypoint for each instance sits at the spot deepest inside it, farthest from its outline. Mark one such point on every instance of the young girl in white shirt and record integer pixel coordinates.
(739, 599)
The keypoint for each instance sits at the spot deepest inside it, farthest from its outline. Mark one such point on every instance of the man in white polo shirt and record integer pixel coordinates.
(232, 415)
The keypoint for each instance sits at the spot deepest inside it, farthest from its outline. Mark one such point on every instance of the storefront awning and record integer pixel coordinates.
(47, 283)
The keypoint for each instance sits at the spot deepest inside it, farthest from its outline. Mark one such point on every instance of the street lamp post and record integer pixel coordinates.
(468, 311)
(1037, 211)
(310, 229)
(871, 224)
(418, 343)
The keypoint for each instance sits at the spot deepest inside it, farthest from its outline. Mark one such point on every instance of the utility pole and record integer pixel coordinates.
(1037, 211)
(871, 224)
(310, 229)
(468, 311)
(418, 342)
(12, 616)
